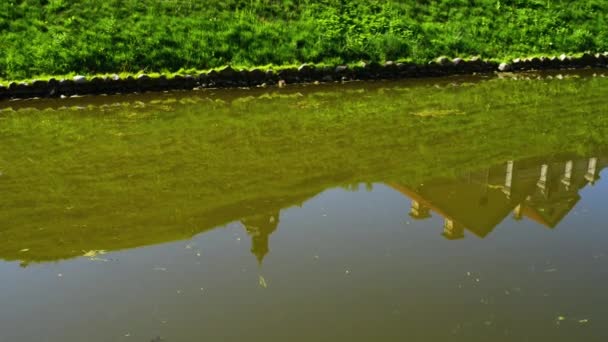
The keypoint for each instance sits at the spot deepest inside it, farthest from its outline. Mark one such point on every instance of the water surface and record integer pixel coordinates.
(465, 209)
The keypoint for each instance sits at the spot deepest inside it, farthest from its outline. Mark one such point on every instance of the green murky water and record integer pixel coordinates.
(462, 210)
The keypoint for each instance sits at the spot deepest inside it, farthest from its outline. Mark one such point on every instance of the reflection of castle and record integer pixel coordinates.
(543, 192)
(259, 227)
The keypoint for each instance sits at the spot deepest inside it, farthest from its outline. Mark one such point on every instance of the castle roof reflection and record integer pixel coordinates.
(542, 191)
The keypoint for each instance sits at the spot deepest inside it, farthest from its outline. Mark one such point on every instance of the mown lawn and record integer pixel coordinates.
(53, 37)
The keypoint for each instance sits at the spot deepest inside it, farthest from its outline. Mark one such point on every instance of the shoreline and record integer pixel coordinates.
(306, 73)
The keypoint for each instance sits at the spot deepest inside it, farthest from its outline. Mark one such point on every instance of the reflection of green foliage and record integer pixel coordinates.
(148, 170)
(91, 36)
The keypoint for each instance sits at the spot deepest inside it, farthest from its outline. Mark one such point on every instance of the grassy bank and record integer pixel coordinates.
(54, 37)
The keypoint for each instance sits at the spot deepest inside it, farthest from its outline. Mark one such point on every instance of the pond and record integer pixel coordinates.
(460, 209)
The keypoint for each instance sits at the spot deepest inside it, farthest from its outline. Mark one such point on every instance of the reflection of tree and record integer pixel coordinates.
(259, 227)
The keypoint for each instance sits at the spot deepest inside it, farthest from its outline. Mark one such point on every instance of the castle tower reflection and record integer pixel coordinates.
(260, 227)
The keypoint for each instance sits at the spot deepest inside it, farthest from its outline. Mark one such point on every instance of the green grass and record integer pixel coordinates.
(130, 171)
(56, 37)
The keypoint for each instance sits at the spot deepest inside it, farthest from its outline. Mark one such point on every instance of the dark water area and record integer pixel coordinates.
(460, 209)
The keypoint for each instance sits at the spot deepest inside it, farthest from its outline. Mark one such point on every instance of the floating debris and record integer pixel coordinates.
(163, 269)
(262, 282)
(99, 259)
(583, 321)
(551, 270)
(24, 250)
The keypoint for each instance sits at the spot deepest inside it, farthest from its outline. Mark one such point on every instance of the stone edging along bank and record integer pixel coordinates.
(231, 78)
